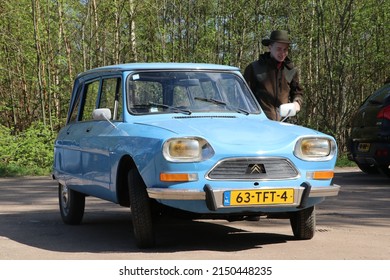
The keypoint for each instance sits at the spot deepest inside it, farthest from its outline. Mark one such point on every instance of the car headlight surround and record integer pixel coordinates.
(315, 148)
(187, 149)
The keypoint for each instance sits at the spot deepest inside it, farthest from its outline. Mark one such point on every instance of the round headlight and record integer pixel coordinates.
(315, 149)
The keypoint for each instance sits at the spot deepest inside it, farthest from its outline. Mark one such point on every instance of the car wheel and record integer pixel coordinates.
(367, 168)
(72, 205)
(384, 169)
(141, 211)
(303, 223)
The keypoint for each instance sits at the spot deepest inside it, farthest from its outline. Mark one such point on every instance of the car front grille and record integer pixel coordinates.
(253, 169)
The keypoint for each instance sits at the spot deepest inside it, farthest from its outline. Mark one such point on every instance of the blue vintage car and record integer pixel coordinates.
(191, 138)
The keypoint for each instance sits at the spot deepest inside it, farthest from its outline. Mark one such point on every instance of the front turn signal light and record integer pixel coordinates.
(178, 177)
(320, 175)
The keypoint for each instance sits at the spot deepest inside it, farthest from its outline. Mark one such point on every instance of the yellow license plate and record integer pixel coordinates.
(258, 197)
(364, 147)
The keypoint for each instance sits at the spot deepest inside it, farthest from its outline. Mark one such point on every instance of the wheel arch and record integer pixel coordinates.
(122, 191)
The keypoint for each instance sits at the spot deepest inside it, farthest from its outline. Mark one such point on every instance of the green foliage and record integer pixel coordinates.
(27, 153)
(343, 161)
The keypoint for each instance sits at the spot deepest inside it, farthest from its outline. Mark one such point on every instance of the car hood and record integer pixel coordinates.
(234, 130)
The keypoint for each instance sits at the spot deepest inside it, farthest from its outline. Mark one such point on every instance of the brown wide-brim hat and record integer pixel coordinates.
(280, 36)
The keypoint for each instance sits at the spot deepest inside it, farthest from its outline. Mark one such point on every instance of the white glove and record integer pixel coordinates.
(297, 106)
(287, 109)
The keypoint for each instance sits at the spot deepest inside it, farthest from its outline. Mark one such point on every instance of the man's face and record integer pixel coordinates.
(279, 51)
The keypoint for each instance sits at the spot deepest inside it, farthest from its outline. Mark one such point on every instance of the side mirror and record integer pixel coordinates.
(101, 114)
(287, 110)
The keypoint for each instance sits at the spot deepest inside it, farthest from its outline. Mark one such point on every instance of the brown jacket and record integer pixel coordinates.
(273, 86)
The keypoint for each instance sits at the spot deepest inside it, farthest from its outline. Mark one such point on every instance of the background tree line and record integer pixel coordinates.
(340, 47)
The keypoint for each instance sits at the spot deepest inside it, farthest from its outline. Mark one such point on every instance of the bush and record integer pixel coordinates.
(343, 161)
(26, 153)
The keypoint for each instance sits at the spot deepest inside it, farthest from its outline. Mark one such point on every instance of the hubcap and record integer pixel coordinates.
(64, 198)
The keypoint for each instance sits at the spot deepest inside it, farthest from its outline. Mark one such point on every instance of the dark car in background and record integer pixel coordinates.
(369, 141)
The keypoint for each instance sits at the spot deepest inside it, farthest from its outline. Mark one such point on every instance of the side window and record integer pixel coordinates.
(91, 91)
(75, 106)
(111, 97)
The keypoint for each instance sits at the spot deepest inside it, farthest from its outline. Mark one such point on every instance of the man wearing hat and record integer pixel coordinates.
(273, 78)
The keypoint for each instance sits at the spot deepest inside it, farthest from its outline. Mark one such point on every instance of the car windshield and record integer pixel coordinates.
(188, 92)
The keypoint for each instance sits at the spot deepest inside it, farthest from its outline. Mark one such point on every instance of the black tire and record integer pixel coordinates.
(303, 223)
(72, 205)
(384, 169)
(367, 168)
(141, 211)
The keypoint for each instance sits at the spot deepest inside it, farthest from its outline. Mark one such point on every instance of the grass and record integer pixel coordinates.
(12, 170)
(343, 161)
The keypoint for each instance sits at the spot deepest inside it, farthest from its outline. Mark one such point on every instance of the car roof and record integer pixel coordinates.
(160, 66)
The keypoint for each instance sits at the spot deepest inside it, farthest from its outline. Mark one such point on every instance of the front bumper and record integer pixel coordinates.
(214, 197)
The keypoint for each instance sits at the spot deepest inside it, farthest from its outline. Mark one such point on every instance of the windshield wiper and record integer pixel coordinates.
(177, 109)
(222, 103)
(211, 100)
(239, 110)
